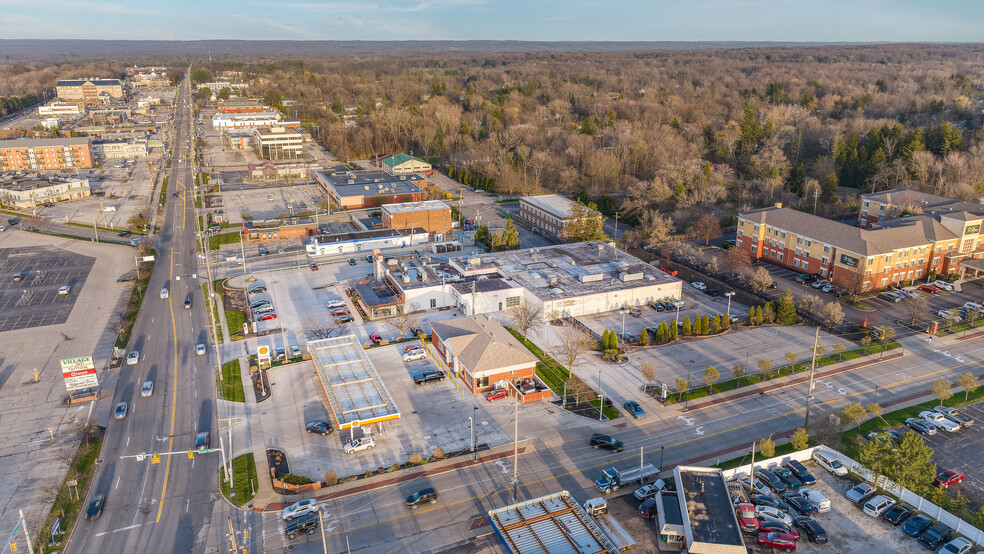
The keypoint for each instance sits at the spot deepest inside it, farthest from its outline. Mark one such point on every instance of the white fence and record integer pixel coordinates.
(960, 526)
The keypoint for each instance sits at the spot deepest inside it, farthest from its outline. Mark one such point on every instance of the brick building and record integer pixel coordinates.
(550, 214)
(45, 154)
(432, 215)
(89, 90)
(898, 251)
(890, 204)
(350, 190)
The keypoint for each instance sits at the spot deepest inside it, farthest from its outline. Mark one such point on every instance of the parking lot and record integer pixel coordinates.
(960, 451)
(268, 202)
(34, 300)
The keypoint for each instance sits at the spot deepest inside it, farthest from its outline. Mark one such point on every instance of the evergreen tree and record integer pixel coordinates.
(644, 337)
(605, 341)
(716, 324)
(673, 331)
(614, 340)
(705, 325)
(726, 322)
(686, 326)
(751, 315)
(758, 315)
(661, 333)
(786, 309)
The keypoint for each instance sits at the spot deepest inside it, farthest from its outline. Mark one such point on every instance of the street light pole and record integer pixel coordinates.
(728, 313)
(813, 368)
(601, 404)
(623, 312)
(687, 405)
(678, 304)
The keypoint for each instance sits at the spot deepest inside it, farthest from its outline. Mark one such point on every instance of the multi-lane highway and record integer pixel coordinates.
(166, 506)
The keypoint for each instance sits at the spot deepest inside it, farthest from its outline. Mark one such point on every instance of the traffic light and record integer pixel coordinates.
(191, 454)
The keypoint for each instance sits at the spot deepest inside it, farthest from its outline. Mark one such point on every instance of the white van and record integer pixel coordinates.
(829, 462)
(878, 505)
(816, 498)
(109, 208)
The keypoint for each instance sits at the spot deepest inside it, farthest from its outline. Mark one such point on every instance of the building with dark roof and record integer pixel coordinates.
(89, 89)
(350, 190)
(895, 252)
(709, 522)
(28, 192)
(877, 207)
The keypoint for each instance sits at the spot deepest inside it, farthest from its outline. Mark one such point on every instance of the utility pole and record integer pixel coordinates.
(515, 449)
(687, 405)
(813, 369)
(232, 537)
(615, 238)
(321, 524)
(601, 403)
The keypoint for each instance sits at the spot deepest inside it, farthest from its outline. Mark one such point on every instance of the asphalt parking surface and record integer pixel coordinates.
(43, 305)
(962, 451)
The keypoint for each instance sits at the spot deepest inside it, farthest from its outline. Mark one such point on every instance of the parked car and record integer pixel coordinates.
(344, 319)
(779, 541)
(921, 426)
(496, 394)
(299, 508)
(942, 284)
(65, 289)
(773, 526)
(947, 314)
(930, 289)
(333, 304)
(898, 513)
(829, 289)
(938, 534)
(758, 488)
(800, 470)
(267, 317)
(954, 415)
(947, 477)
(416, 331)
(766, 500)
(133, 357)
(973, 306)
(605, 442)
(829, 462)
(819, 284)
(429, 375)
(658, 306)
(648, 508)
(18, 277)
(650, 490)
(375, 338)
(816, 498)
(813, 530)
(257, 289)
(860, 492)
(95, 508)
(423, 496)
(363, 443)
(635, 409)
(768, 512)
(698, 285)
(801, 504)
(712, 292)
(886, 434)
(416, 354)
(259, 304)
(917, 524)
(340, 311)
(747, 520)
(941, 422)
(788, 477)
(352, 261)
(120, 411)
(147, 389)
(264, 309)
(958, 545)
(322, 428)
(774, 482)
(877, 505)
(889, 296)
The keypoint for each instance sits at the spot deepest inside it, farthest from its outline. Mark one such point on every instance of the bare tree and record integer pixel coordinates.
(811, 304)
(571, 348)
(759, 280)
(577, 387)
(831, 314)
(648, 371)
(654, 228)
(527, 316)
(735, 262)
(915, 307)
(405, 319)
(319, 328)
(707, 228)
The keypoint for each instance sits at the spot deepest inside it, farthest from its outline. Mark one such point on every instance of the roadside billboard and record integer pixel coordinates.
(79, 373)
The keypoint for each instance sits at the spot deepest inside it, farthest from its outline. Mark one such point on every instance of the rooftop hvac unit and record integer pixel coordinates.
(625, 277)
(405, 278)
(403, 177)
(591, 277)
(364, 187)
(553, 280)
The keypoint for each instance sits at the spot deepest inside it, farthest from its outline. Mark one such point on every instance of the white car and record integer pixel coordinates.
(335, 304)
(165, 293)
(946, 314)
(940, 421)
(958, 545)
(759, 488)
(65, 289)
(816, 498)
(297, 509)
(819, 284)
(973, 306)
(364, 443)
(830, 463)
(147, 389)
(943, 285)
(200, 350)
(698, 285)
(133, 357)
(878, 505)
(650, 490)
(774, 514)
(418, 354)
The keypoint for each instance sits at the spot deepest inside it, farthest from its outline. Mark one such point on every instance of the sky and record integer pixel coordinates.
(540, 20)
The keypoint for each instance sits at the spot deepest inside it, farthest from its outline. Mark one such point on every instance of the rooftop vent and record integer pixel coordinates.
(364, 187)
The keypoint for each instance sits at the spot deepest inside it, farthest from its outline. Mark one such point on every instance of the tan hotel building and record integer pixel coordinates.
(898, 251)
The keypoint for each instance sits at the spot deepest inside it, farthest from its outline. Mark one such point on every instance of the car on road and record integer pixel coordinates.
(712, 292)
(362, 443)
(352, 261)
(940, 421)
(898, 513)
(635, 409)
(202, 441)
(340, 311)
(605, 442)
(429, 375)
(369, 258)
(801, 472)
(322, 428)
(801, 504)
(415, 354)
(921, 426)
(423, 496)
(917, 524)
(930, 289)
(267, 317)
(133, 357)
(958, 545)
(314, 266)
(650, 490)
(299, 508)
(187, 304)
(955, 415)
(344, 319)
(788, 477)
(123, 234)
(496, 394)
(147, 389)
(698, 285)
(165, 293)
(811, 528)
(947, 477)
(120, 411)
(257, 289)
(375, 338)
(779, 541)
(860, 492)
(771, 479)
(95, 508)
(878, 505)
(200, 349)
(18, 277)
(333, 304)
(416, 331)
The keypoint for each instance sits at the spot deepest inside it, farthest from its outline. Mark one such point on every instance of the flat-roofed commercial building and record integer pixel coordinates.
(46, 154)
(89, 89)
(114, 149)
(553, 215)
(370, 189)
(228, 121)
(278, 143)
(242, 105)
(61, 109)
(432, 215)
(26, 193)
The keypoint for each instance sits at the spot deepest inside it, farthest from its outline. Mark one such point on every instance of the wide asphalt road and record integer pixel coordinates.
(166, 506)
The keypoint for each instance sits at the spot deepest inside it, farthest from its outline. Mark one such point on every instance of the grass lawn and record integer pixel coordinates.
(244, 480)
(231, 386)
(234, 318)
(215, 241)
(137, 292)
(67, 505)
(215, 310)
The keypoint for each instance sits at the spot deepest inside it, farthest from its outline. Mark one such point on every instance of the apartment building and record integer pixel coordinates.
(550, 214)
(432, 215)
(278, 143)
(898, 251)
(89, 89)
(46, 154)
(890, 204)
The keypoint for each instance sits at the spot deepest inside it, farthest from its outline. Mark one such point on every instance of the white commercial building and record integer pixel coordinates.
(278, 143)
(228, 121)
(364, 241)
(61, 109)
(26, 193)
(113, 149)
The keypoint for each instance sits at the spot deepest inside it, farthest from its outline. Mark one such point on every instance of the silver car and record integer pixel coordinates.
(147, 389)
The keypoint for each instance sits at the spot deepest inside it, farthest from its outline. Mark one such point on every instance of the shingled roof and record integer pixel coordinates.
(481, 344)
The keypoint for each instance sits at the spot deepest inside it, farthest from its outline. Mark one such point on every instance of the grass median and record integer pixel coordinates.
(215, 309)
(70, 500)
(137, 292)
(235, 319)
(244, 480)
(231, 385)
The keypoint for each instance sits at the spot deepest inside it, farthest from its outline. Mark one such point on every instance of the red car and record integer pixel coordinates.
(340, 311)
(747, 518)
(411, 348)
(947, 477)
(496, 394)
(930, 288)
(266, 317)
(779, 541)
(375, 338)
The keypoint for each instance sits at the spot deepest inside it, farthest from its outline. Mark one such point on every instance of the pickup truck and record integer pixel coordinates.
(305, 524)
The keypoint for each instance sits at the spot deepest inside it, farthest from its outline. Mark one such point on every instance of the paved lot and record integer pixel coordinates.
(34, 301)
(256, 201)
(962, 450)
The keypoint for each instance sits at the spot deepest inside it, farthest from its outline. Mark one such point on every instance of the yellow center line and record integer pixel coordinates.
(654, 449)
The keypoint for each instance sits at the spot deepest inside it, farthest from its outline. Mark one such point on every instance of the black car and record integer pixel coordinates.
(606, 442)
(801, 472)
(788, 477)
(917, 524)
(427, 376)
(936, 536)
(259, 304)
(174, 195)
(811, 529)
(801, 504)
(712, 292)
(771, 525)
(424, 496)
(322, 428)
(95, 508)
(344, 319)
(13, 221)
(898, 513)
(765, 500)
(648, 508)
(187, 304)
(257, 289)
(416, 331)
(668, 305)
(770, 479)
(123, 233)
(658, 306)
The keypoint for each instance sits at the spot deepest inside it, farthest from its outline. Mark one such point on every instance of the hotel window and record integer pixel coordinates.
(796, 262)
(823, 272)
(936, 261)
(780, 256)
(949, 248)
(920, 262)
(826, 249)
(809, 242)
(740, 233)
(864, 213)
(824, 260)
(867, 274)
(799, 240)
(799, 252)
(738, 243)
(783, 234)
(888, 258)
(938, 249)
(884, 282)
(871, 261)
